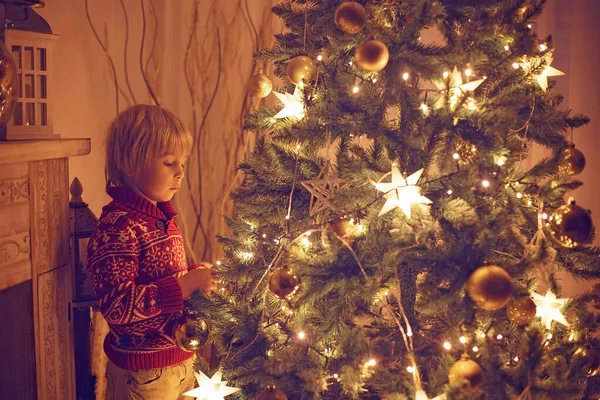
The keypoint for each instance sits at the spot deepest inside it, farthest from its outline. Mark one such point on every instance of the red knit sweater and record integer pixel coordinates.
(135, 256)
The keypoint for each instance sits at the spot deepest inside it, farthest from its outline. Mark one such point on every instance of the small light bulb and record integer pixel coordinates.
(449, 191)
(544, 216)
(410, 369)
(468, 72)
(301, 335)
(424, 108)
(515, 65)
(305, 241)
(500, 162)
(506, 48)
(405, 76)
(475, 349)
(519, 195)
(543, 47)
(297, 147)
(372, 362)
(463, 339)
(549, 336)
(499, 337)
(482, 335)
(350, 63)
(516, 358)
(529, 26)
(355, 89)
(374, 80)
(264, 235)
(447, 345)
(547, 343)
(218, 262)
(409, 333)
(456, 156)
(320, 57)
(445, 74)
(386, 293)
(335, 376)
(276, 241)
(485, 183)
(571, 337)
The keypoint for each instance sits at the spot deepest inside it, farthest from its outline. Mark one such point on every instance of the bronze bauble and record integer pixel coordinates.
(272, 393)
(192, 335)
(301, 69)
(489, 287)
(521, 310)
(350, 17)
(572, 161)
(283, 282)
(260, 85)
(372, 55)
(571, 225)
(467, 370)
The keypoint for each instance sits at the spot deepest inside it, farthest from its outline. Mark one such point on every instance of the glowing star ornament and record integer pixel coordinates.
(548, 308)
(402, 193)
(293, 104)
(542, 79)
(456, 88)
(211, 388)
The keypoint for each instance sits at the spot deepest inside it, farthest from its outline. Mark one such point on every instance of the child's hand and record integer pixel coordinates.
(203, 278)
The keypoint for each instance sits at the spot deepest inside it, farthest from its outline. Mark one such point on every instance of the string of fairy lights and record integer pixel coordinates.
(403, 193)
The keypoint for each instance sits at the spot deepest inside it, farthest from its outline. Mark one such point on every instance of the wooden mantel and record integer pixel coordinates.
(33, 150)
(36, 351)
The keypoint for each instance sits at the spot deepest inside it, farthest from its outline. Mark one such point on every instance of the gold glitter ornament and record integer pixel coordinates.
(350, 17)
(489, 287)
(260, 85)
(467, 370)
(521, 310)
(301, 70)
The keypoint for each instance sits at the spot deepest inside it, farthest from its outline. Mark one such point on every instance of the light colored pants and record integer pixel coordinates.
(168, 383)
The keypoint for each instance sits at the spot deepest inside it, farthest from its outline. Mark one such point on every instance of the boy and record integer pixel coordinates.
(137, 261)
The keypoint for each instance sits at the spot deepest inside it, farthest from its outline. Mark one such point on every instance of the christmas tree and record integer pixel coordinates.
(389, 241)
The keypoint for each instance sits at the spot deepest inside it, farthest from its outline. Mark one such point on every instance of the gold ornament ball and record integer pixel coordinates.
(571, 225)
(521, 310)
(467, 370)
(350, 17)
(301, 69)
(260, 85)
(192, 335)
(489, 287)
(572, 161)
(272, 393)
(343, 228)
(372, 55)
(283, 282)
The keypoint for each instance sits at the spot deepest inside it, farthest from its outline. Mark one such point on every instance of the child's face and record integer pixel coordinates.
(162, 179)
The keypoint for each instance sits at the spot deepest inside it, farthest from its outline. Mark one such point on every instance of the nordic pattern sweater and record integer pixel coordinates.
(135, 256)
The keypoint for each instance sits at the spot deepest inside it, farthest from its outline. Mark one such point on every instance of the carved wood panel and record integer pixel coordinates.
(55, 356)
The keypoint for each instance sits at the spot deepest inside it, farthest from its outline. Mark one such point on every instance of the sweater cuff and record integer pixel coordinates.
(171, 295)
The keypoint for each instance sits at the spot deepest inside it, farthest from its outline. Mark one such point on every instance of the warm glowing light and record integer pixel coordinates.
(499, 337)
(456, 156)
(409, 333)
(410, 369)
(320, 57)
(301, 335)
(402, 192)
(482, 335)
(246, 255)
(475, 349)
(529, 26)
(405, 76)
(485, 183)
(463, 339)
(571, 337)
(211, 388)
(500, 162)
(515, 65)
(516, 358)
(549, 336)
(355, 89)
(447, 345)
(386, 293)
(543, 47)
(545, 216)
(335, 376)
(548, 308)
(218, 262)
(305, 242)
(374, 80)
(519, 195)
(424, 108)
(506, 48)
(264, 235)
(350, 63)
(446, 74)
(372, 362)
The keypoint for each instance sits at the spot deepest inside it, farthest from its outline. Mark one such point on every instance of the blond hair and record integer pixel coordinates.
(138, 135)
